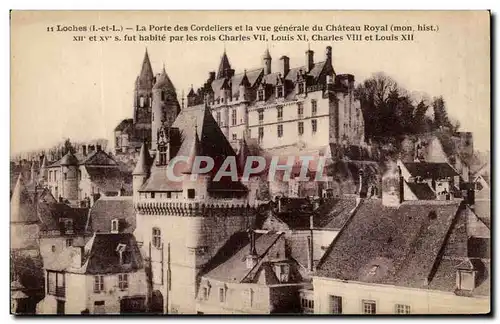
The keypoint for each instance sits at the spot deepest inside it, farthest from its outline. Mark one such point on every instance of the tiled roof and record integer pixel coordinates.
(123, 124)
(334, 213)
(110, 180)
(101, 256)
(386, 245)
(94, 158)
(422, 190)
(428, 170)
(106, 209)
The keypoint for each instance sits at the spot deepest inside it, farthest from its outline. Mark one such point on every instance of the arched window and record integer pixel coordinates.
(141, 101)
(156, 241)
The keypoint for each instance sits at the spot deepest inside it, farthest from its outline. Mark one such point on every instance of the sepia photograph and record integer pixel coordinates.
(250, 163)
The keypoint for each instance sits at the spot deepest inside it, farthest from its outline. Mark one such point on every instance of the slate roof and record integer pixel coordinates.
(421, 190)
(401, 244)
(96, 158)
(428, 170)
(50, 215)
(334, 213)
(213, 144)
(234, 269)
(110, 180)
(101, 257)
(106, 209)
(124, 124)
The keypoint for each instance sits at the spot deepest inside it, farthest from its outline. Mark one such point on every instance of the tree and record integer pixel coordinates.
(68, 147)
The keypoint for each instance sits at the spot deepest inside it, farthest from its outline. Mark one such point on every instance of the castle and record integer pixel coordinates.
(296, 108)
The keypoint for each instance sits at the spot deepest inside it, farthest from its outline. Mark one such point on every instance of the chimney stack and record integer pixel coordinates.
(252, 257)
(309, 60)
(329, 53)
(98, 147)
(84, 150)
(285, 65)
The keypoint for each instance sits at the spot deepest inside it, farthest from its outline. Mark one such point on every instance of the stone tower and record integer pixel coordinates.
(184, 221)
(143, 95)
(69, 166)
(165, 106)
(266, 62)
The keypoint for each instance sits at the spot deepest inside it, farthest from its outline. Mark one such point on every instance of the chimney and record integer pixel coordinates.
(252, 257)
(309, 60)
(328, 54)
(84, 150)
(285, 65)
(310, 259)
(98, 147)
(211, 76)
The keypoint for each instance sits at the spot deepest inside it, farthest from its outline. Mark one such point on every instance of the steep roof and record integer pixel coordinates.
(101, 256)
(164, 82)
(142, 166)
(146, 75)
(52, 213)
(223, 65)
(428, 170)
(235, 269)
(22, 209)
(421, 190)
(334, 213)
(69, 159)
(123, 124)
(390, 245)
(106, 209)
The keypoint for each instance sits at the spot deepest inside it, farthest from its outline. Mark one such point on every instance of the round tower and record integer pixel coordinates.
(165, 106)
(266, 62)
(69, 165)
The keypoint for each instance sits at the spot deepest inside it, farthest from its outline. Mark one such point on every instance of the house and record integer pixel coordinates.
(257, 276)
(411, 258)
(112, 215)
(106, 276)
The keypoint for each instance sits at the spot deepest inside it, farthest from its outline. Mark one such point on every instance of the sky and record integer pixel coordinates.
(61, 88)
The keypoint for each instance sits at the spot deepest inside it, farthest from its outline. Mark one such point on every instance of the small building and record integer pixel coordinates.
(106, 276)
(112, 215)
(259, 278)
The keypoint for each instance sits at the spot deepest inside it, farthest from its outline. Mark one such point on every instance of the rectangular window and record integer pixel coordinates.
(280, 130)
(234, 137)
(402, 309)
(99, 307)
(307, 305)
(205, 293)
(260, 95)
(152, 195)
(279, 91)
(369, 307)
(218, 117)
(233, 117)
(336, 304)
(301, 128)
(222, 295)
(123, 281)
(261, 115)
(280, 113)
(261, 133)
(69, 242)
(300, 109)
(156, 237)
(51, 283)
(191, 193)
(301, 87)
(114, 226)
(98, 284)
(314, 107)
(314, 125)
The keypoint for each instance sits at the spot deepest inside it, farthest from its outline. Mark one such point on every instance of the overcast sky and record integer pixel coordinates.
(82, 90)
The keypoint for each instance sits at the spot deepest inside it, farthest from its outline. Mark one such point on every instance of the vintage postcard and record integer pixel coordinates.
(257, 162)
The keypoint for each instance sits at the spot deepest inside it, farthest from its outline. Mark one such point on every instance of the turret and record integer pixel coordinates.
(43, 169)
(141, 170)
(165, 106)
(69, 165)
(195, 184)
(266, 62)
(244, 85)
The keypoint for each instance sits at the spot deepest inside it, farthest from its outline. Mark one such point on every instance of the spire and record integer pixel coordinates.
(224, 66)
(146, 75)
(196, 150)
(21, 205)
(191, 92)
(44, 162)
(244, 80)
(267, 55)
(142, 166)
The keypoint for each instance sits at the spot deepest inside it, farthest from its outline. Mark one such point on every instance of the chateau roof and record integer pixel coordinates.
(109, 180)
(22, 208)
(252, 76)
(124, 124)
(51, 214)
(142, 166)
(106, 209)
(223, 65)
(96, 158)
(397, 246)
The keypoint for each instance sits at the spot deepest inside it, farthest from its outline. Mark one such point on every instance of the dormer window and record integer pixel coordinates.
(282, 272)
(279, 91)
(124, 255)
(301, 87)
(67, 224)
(114, 226)
(260, 95)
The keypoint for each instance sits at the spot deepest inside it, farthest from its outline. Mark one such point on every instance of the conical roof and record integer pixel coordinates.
(21, 205)
(69, 159)
(195, 151)
(267, 55)
(142, 166)
(44, 162)
(164, 82)
(244, 80)
(191, 92)
(223, 66)
(146, 75)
